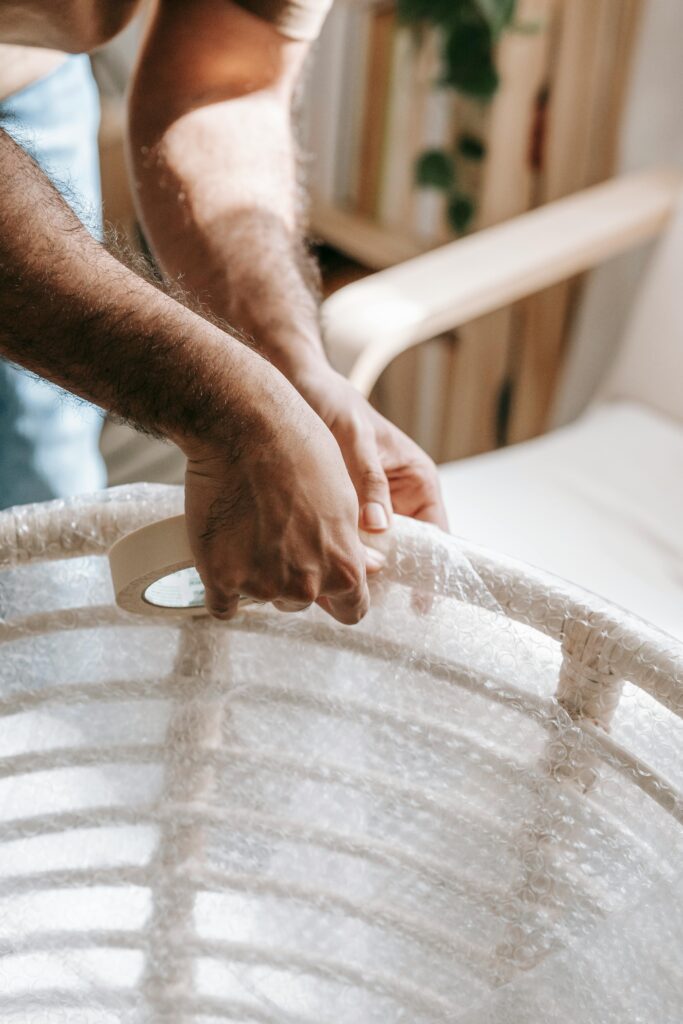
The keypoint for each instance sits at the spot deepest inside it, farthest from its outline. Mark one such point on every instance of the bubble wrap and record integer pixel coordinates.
(467, 808)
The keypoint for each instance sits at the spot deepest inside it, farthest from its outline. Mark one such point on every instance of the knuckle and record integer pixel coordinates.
(261, 590)
(347, 575)
(304, 588)
(291, 606)
(372, 478)
(221, 609)
(351, 614)
(357, 614)
(217, 593)
(425, 473)
(215, 578)
(427, 470)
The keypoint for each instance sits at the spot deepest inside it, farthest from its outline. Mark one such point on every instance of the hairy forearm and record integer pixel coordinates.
(216, 181)
(71, 312)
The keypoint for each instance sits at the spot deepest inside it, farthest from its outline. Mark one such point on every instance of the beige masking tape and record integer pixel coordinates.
(153, 570)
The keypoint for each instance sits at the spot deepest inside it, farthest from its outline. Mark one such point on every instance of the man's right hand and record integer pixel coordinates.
(271, 510)
(277, 519)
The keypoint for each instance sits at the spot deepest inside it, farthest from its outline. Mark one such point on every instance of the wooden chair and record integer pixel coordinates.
(599, 502)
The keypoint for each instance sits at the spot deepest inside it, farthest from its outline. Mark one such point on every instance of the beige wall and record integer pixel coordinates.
(652, 133)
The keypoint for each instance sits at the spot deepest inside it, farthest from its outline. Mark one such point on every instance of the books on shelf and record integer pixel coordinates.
(372, 104)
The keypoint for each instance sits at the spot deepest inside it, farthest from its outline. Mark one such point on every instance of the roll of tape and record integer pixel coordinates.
(153, 571)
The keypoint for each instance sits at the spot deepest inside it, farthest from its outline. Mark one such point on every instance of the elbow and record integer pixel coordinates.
(101, 24)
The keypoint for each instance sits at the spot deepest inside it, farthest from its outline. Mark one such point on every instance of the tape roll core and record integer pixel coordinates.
(153, 571)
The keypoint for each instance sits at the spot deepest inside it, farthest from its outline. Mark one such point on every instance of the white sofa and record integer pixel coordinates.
(599, 502)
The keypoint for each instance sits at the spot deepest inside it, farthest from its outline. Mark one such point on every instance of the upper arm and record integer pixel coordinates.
(202, 51)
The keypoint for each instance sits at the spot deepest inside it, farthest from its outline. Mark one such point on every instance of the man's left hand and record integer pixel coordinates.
(389, 471)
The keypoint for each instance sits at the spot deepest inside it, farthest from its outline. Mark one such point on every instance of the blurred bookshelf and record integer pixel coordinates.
(375, 103)
(371, 104)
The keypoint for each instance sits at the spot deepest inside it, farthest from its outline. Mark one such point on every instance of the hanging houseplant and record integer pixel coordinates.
(469, 30)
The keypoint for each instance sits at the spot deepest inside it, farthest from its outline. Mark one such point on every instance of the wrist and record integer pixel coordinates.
(209, 406)
(281, 320)
(294, 348)
(302, 365)
(311, 376)
(237, 406)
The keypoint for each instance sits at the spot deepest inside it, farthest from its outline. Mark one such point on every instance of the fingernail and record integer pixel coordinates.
(374, 517)
(374, 559)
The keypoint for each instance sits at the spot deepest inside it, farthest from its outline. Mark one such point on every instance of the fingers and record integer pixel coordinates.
(347, 610)
(371, 484)
(345, 595)
(220, 605)
(431, 508)
(291, 606)
(434, 512)
(374, 560)
(292, 552)
(416, 492)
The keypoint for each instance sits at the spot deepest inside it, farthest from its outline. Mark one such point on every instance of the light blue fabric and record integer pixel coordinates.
(48, 440)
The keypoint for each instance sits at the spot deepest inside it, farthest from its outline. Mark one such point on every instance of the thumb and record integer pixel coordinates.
(372, 487)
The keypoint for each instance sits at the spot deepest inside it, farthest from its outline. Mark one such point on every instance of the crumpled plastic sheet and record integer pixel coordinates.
(282, 820)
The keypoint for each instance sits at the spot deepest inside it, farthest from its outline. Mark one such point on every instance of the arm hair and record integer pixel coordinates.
(73, 313)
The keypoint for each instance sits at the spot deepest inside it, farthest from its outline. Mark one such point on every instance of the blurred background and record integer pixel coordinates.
(412, 137)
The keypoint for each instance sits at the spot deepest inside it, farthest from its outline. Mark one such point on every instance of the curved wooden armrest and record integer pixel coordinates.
(369, 322)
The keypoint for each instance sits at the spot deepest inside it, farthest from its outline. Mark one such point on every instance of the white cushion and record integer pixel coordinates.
(599, 503)
(649, 365)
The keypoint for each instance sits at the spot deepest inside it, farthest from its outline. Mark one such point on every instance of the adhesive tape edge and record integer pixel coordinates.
(145, 556)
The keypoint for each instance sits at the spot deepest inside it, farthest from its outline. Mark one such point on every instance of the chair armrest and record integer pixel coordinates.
(369, 322)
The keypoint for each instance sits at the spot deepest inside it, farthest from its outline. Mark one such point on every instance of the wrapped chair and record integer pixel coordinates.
(463, 809)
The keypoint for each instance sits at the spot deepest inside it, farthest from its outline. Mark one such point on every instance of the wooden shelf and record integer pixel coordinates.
(362, 239)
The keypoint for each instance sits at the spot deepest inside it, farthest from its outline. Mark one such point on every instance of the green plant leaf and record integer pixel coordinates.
(460, 212)
(439, 12)
(470, 147)
(497, 13)
(469, 61)
(435, 169)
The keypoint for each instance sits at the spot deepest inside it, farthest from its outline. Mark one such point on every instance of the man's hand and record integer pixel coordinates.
(270, 507)
(388, 470)
(278, 521)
